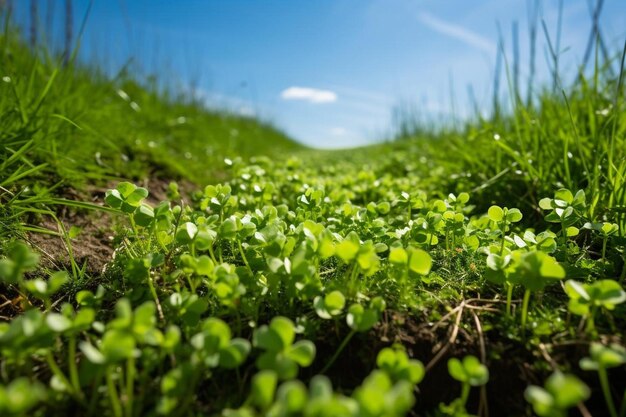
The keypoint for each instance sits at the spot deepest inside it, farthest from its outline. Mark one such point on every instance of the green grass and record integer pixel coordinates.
(75, 125)
(418, 277)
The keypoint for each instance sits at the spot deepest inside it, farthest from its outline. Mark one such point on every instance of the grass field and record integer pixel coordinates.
(159, 258)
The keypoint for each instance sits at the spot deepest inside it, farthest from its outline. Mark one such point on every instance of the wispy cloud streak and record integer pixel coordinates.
(458, 32)
(312, 95)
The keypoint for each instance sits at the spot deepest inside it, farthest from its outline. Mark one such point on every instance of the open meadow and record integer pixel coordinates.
(162, 258)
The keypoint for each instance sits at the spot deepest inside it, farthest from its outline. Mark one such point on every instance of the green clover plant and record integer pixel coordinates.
(586, 299)
(559, 393)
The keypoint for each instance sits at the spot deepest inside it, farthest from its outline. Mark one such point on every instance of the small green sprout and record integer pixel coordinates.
(378, 396)
(533, 270)
(586, 299)
(282, 355)
(600, 359)
(503, 218)
(331, 305)
(359, 319)
(396, 363)
(20, 259)
(470, 373)
(215, 347)
(560, 393)
(361, 256)
(606, 230)
(128, 198)
(45, 289)
(567, 209)
(264, 388)
(20, 397)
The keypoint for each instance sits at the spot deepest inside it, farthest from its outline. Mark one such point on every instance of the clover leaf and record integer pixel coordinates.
(396, 363)
(126, 197)
(469, 371)
(20, 259)
(281, 354)
(361, 319)
(560, 392)
(331, 305)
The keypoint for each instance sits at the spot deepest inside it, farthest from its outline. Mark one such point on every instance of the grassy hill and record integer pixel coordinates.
(74, 124)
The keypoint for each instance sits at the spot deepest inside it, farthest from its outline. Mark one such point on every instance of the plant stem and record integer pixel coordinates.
(509, 297)
(130, 385)
(465, 390)
(606, 390)
(341, 347)
(591, 327)
(604, 242)
(243, 257)
(115, 399)
(212, 254)
(94, 393)
(353, 275)
(503, 228)
(525, 310)
(58, 373)
(71, 363)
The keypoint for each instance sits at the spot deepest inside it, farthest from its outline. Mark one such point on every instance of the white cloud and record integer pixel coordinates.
(312, 95)
(338, 131)
(457, 32)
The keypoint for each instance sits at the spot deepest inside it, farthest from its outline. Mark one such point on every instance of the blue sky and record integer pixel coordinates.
(329, 72)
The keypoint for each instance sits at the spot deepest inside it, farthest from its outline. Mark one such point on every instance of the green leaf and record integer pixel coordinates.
(495, 213)
(91, 353)
(571, 231)
(20, 396)
(513, 215)
(608, 293)
(550, 268)
(347, 250)
(456, 371)
(136, 197)
(117, 345)
(235, 354)
(56, 281)
(229, 228)
(398, 256)
(360, 318)
(420, 262)
(186, 233)
(575, 289)
(567, 390)
(292, 395)
(496, 262)
(415, 371)
(125, 188)
(144, 215)
(217, 332)
(320, 388)
(113, 199)
(546, 204)
(335, 300)
(284, 328)
(263, 388)
(302, 352)
(565, 195)
(58, 323)
(477, 373)
(541, 400)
